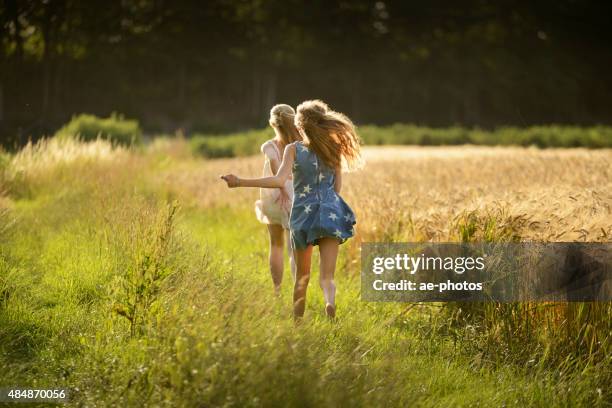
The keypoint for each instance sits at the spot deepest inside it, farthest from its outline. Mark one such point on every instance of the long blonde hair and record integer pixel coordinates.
(331, 134)
(282, 118)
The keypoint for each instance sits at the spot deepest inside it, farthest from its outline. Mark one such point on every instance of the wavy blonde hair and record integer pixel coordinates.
(282, 118)
(331, 135)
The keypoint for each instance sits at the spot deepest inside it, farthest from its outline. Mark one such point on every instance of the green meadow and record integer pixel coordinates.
(125, 279)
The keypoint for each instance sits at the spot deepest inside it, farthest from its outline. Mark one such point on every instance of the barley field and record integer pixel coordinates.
(134, 277)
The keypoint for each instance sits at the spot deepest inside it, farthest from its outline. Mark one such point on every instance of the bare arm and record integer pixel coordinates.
(338, 181)
(275, 181)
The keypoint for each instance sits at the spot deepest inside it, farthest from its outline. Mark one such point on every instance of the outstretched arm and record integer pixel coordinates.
(276, 181)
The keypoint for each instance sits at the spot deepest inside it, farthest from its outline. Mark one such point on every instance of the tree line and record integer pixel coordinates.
(219, 65)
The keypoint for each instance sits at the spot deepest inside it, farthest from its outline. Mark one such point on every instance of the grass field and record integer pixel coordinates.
(134, 277)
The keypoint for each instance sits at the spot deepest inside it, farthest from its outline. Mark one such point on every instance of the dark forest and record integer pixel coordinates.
(219, 65)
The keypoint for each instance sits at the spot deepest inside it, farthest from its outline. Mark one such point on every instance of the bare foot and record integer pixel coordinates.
(330, 311)
(298, 308)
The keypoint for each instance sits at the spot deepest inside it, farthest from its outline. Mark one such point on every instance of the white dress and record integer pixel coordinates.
(267, 208)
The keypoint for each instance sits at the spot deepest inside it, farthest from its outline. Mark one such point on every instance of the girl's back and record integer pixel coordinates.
(317, 211)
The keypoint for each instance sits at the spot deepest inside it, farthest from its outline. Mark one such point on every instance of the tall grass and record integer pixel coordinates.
(501, 195)
(51, 162)
(139, 287)
(567, 336)
(488, 194)
(109, 289)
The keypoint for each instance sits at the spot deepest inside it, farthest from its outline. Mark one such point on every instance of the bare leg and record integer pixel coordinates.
(328, 248)
(290, 252)
(302, 261)
(276, 255)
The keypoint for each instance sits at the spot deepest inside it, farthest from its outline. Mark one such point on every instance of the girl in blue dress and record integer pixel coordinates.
(319, 216)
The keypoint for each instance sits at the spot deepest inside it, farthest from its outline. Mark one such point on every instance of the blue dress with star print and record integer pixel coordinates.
(317, 210)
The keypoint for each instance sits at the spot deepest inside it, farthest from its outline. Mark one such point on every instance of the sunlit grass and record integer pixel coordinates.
(82, 230)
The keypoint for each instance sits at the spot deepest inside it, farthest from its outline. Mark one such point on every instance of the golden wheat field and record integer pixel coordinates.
(418, 193)
(80, 222)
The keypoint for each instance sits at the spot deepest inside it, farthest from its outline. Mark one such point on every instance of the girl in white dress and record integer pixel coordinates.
(275, 204)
